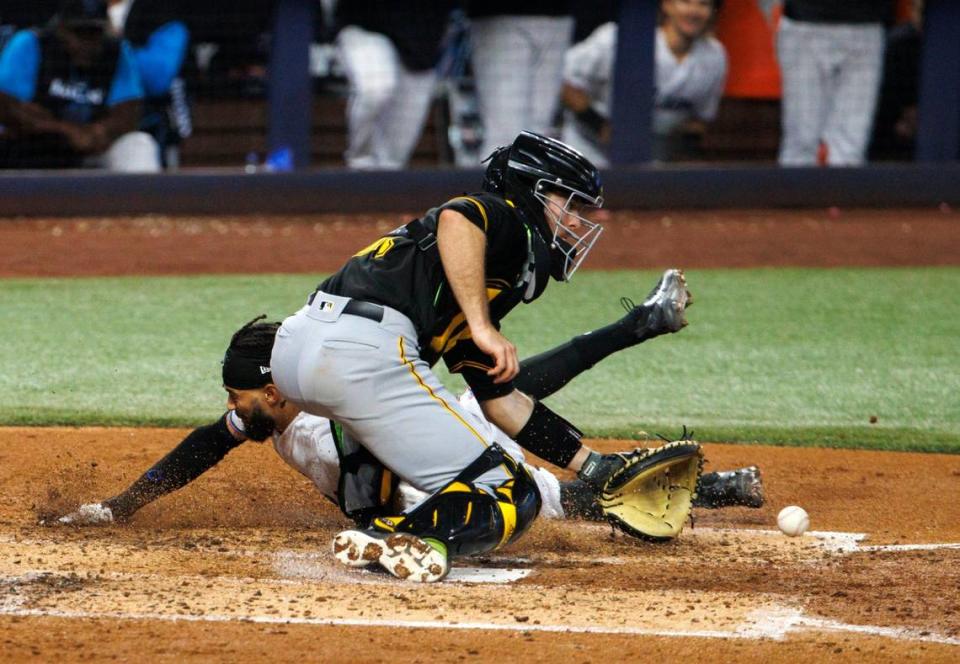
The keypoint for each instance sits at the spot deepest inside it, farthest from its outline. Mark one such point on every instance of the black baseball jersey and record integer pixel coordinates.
(396, 272)
(69, 92)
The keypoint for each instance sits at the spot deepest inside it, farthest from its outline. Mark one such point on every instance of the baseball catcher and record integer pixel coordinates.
(639, 499)
(360, 353)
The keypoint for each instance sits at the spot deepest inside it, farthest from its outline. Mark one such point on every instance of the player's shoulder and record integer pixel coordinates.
(484, 207)
(605, 34)
(710, 48)
(23, 43)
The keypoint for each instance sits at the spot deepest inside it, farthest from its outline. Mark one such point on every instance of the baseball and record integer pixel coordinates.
(793, 521)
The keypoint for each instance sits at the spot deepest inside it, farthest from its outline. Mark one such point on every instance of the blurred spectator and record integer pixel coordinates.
(21, 14)
(70, 96)
(831, 60)
(518, 50)
(690, 72)
(159, 38)
(895, 125)
(746, 28)
(389, 52)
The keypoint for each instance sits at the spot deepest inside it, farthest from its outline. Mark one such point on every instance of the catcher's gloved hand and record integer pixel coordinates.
(647, 493)
(91, 514)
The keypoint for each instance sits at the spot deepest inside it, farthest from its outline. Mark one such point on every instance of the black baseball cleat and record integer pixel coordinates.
(664, 309)
(742, 487)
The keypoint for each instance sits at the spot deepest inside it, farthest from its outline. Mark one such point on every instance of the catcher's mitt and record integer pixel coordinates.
(650, 497)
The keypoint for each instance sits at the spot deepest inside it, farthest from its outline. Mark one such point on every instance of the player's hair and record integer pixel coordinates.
(255, 338)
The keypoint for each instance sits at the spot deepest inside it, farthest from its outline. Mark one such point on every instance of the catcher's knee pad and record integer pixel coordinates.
(468, 519)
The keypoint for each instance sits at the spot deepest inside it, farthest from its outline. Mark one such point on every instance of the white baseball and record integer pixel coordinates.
(793, 521)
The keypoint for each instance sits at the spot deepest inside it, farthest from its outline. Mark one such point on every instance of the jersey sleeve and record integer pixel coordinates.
(588, 62)
(20, 65)
(474, 209)
(160, 59)
(708, 104)
(472, 363)
(126, 84)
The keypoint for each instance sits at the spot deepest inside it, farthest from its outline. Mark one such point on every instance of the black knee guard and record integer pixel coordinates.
(469, 520)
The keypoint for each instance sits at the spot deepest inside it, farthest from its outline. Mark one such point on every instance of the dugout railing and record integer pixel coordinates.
(290, 110)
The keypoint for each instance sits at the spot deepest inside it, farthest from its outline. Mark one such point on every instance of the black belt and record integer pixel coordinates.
(363, 309)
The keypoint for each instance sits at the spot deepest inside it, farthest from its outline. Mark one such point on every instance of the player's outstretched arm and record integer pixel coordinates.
(200, 451)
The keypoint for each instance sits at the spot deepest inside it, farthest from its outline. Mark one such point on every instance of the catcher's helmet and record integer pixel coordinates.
(533, 166)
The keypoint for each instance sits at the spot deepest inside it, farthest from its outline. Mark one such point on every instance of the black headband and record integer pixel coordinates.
(246, 372)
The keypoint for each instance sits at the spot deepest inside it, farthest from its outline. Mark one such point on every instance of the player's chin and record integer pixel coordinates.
(258, 429)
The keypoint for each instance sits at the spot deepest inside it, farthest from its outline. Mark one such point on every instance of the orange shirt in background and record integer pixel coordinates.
(748, 35)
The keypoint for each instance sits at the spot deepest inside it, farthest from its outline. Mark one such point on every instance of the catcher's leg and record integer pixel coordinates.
(460, 519)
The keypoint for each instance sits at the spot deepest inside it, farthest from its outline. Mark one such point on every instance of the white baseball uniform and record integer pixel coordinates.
(831, 78)
(686, 89)
(307, 445)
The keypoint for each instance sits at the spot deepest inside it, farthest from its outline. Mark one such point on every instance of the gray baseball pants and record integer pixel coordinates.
(369, 377)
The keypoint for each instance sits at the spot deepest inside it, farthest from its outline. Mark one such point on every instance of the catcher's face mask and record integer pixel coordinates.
(573, 234)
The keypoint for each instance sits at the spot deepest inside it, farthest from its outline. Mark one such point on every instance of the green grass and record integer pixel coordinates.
(791, 356)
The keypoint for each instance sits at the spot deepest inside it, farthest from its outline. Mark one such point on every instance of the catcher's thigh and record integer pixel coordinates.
(469, 519)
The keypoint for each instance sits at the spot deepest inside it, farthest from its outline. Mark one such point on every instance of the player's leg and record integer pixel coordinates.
(371, 63)
(848, 126)
(551, 36)
(402, 122)
(800, 50)
(366, 375)
(463, 518)
(133, 152)
(502, 59)
(661, 312)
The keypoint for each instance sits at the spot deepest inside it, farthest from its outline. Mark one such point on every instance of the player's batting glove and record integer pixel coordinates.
(91, 514)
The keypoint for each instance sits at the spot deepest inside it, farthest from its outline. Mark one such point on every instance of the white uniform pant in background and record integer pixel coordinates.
(518, 69)
(831, 77)
(388, 103)
(369, 377)
(134, 152)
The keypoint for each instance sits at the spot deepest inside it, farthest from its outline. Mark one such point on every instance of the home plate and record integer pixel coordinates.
(318, 566)
(486, 575)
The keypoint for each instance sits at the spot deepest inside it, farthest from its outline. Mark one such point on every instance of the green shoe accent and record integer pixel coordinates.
(436, 545)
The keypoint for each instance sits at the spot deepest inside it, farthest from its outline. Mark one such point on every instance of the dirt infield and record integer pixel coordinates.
(631, 240)
(236, 566)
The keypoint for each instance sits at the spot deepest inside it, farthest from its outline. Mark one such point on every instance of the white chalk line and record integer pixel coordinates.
(908, 547)
(775, 625)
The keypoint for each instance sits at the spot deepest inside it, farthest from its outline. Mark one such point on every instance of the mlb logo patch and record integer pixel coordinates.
(326, 305)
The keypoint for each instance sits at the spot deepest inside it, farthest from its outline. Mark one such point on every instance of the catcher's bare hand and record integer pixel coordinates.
(504, 353)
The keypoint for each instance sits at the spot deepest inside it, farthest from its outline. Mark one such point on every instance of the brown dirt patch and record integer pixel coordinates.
(248, 541)
(631, 240)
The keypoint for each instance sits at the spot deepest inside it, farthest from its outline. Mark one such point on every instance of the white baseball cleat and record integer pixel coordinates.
(404, 555)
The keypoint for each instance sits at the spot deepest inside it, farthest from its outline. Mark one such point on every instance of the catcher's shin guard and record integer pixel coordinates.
(469, 520)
